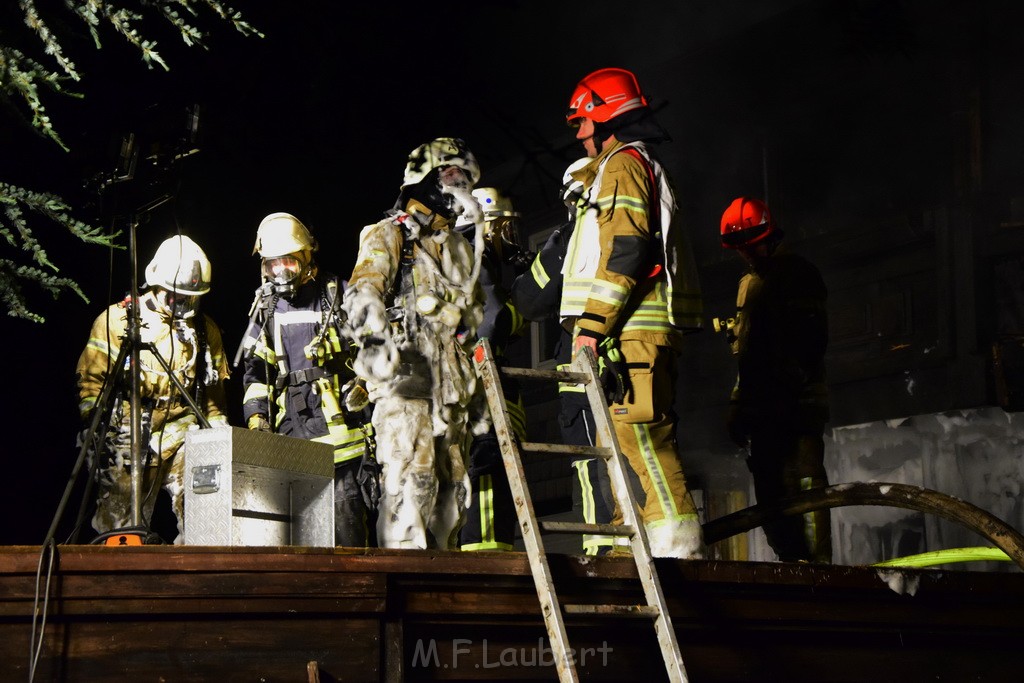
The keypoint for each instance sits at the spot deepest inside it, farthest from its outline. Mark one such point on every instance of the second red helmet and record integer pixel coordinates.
(747, 221)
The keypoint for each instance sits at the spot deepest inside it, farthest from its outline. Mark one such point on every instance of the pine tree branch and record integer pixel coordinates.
(23, 78)
(16, 232)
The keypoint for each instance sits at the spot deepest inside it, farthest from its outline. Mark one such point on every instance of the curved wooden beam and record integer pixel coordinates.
(1001, 534)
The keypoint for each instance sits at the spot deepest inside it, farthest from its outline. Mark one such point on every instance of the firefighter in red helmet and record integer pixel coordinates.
(779, 405)
(630, 293)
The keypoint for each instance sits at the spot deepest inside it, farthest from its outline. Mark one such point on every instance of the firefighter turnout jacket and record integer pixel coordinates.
(192, 348)
(628, 272)
(299, 366)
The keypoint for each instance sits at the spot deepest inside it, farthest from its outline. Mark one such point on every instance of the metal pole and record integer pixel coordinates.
(135, 339)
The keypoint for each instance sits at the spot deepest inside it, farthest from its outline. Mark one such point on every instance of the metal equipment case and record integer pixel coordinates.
(244, 487)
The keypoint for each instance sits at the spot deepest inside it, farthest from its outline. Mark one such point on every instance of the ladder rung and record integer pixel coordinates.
(584, 528)
(558, 375)
(594, 451)
(648, 611)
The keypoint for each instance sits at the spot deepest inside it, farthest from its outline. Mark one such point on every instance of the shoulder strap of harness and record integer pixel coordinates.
(654, 203)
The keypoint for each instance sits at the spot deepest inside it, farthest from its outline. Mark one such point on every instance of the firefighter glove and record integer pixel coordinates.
(614, 372)
(366, 314)
(355, 396)
(368, 478)
(259, 422)
(520, 260)
(378, 359)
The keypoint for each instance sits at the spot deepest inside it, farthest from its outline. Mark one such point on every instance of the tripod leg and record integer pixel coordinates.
(83, 507)
(200, 417)
(101, 415)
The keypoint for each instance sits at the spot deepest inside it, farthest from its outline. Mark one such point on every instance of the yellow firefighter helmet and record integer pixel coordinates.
(281, 234)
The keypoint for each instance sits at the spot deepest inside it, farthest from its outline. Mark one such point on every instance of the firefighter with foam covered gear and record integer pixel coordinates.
(491, 517)
(630, 292)
(190, 343)
(297, 374)
(413, 306)
(779, 405)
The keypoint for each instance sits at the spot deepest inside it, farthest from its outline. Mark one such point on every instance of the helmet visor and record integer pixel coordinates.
(179, 305)
(503, 230)
(282, 270)
(735, 237)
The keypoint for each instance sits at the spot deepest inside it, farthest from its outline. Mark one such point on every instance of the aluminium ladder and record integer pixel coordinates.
(582, 371)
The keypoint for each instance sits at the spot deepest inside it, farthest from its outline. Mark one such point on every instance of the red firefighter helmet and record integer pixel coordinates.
(605, 94)
(747, 221)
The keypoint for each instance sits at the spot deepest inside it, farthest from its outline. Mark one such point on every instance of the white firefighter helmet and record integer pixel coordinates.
(180, 266)
(281, 234)
(499, 220)
(494, 204)
(437, 154)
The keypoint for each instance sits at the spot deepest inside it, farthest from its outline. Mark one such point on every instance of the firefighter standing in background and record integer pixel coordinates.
(491, 517)
(413, 307)
(296, 378)
(779, 405)
(630, 291)
(190, 343)
(537, 295)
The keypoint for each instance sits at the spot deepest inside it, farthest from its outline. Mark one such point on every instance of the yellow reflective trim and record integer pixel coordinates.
(517, 416)
(485, 498)
(654, 470)
(568, 386)
(589, 509)
(630, 203)
(648, 326)
(575, 293)
(518, 321)
(348, 443)
(98, 345)
(592, 543)
(540, 276)
(255, 392)
(650, 315)
(261, 350)
(493, 545)
(608, 292)
(578, 287)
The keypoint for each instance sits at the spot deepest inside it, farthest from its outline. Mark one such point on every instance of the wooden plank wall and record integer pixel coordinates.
(245, 614)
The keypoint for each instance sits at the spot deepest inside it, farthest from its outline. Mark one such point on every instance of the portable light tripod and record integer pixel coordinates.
(128, 358)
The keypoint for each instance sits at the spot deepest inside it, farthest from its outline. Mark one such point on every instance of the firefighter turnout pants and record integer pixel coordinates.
(784, 461)
(645, 426)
